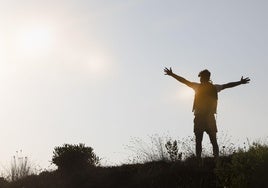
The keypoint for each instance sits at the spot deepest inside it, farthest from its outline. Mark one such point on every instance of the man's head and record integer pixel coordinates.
(204, 76)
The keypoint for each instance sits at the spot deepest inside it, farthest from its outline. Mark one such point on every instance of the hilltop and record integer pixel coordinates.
(243, 168)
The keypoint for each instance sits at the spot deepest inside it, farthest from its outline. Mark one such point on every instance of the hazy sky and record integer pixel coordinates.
(91, 71)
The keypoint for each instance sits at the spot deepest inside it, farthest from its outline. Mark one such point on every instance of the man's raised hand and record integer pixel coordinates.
(244, 80)
(168, 71)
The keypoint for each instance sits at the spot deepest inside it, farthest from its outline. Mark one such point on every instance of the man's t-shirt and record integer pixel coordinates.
(206, 97)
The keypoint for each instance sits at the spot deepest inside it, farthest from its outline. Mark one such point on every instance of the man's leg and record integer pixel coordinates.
(198, 143)
(213, 140)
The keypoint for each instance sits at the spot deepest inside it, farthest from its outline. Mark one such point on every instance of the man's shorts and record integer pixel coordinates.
(205, 122)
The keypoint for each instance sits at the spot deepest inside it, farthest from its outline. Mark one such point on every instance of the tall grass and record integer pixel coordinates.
(20, 167)
(165, 148)
(142, 152)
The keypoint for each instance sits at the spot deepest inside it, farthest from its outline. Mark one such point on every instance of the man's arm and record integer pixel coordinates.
(234, 84)
(179, 78)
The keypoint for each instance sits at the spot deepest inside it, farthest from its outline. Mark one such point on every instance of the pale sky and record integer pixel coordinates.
(91, 71)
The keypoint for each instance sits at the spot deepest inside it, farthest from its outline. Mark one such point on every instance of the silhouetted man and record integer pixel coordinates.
(205, 106)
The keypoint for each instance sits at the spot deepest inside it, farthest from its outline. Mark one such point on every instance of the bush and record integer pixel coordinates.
(173, 150)
(245, 168)
(70, 157)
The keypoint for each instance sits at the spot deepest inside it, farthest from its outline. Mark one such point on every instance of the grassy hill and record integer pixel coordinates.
(240, 169)
(152, 174)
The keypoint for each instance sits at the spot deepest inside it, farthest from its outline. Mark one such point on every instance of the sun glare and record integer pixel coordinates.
(185, 93)
(34, 41)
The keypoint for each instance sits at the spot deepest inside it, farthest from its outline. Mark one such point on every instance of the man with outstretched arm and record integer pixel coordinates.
(205, 106)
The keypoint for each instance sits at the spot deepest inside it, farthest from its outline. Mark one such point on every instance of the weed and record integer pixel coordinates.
(20, 167)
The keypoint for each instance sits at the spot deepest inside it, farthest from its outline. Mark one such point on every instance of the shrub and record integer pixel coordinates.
(245, 168)
(70, 157)
(173, 150)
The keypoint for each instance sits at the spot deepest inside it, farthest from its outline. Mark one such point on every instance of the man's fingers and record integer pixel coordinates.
(245, 80)
(168, 71)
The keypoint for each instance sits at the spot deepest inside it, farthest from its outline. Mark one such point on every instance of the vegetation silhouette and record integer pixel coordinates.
(205, 106)
(72, 157)
(244, 168)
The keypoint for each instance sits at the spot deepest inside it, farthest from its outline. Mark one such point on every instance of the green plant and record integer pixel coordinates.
(70, 157)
